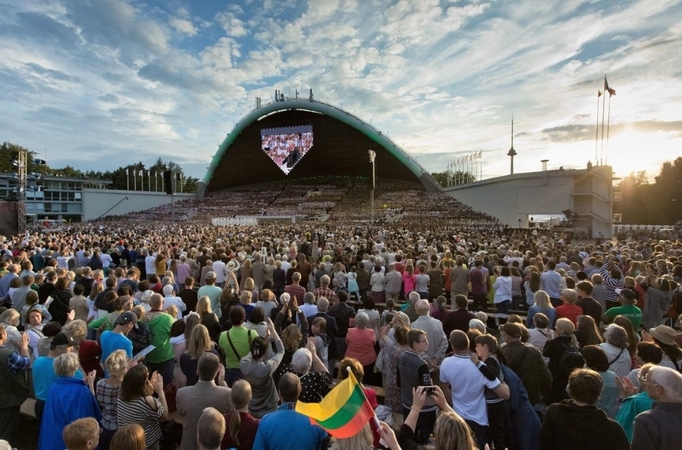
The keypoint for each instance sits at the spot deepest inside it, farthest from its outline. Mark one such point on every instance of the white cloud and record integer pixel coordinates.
(440, 77)
(232, 25)
(183, 26)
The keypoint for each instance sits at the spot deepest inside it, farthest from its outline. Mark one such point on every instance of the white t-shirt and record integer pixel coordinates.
(467, 384)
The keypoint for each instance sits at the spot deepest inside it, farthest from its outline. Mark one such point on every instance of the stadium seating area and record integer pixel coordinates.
(339, 200)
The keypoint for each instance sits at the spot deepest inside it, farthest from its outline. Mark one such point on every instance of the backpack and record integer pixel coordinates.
(571, 359)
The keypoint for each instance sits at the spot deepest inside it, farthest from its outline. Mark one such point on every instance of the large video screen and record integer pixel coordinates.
(286, 146)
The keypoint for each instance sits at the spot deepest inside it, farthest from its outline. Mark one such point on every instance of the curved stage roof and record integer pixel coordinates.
(340, 145)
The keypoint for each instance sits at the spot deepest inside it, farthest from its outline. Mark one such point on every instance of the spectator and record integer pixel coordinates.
(67, 400)
(137, 405)
(241, 426)
(269, 434)
(578, 423)
(659, 427)
(193, 400)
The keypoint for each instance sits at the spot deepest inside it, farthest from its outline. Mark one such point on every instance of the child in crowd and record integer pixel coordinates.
(322, 340)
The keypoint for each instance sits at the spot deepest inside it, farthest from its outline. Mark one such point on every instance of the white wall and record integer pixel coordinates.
(515, 197)
(97, 201)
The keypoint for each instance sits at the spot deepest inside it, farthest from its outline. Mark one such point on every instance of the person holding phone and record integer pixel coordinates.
(413, 371)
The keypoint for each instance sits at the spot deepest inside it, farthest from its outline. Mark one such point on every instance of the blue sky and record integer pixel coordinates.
(103, 83)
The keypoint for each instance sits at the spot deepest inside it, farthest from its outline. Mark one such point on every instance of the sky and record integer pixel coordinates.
(99, 84)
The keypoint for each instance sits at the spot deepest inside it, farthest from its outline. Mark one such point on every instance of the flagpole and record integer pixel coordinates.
(603, 107)
(135, 179)
(608, 126)
(127, 180)
(596, 131)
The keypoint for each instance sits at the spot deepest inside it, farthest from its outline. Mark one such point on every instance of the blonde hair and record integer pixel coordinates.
(452, 433)
(76, 330)
(245, 297)
(204, 306)
(542, 300)
(362, 440)
(66, 365)
(199, 342)
(241, 397)
(116, 364)
(249, 284)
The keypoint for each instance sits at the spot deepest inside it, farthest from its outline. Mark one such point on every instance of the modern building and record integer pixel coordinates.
(584, 196)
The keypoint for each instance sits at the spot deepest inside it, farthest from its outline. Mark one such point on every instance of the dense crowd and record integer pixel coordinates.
(463, 333)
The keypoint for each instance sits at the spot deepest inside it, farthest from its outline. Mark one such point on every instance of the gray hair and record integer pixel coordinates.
(322, 304)
(325, 280)
(670, 380)
(66, 365)
(422, 307)
(302, 361)
(483, 317)
(361, 320)
(413, 297)
(477, 325)
(571, 295)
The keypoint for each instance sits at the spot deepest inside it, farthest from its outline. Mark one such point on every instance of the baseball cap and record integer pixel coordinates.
(627, 293)
(61, 339)
(126, 318)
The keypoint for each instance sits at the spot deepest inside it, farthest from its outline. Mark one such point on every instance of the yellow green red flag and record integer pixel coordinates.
(343, 412)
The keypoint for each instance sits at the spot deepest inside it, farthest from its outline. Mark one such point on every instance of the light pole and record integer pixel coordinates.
(372, 157)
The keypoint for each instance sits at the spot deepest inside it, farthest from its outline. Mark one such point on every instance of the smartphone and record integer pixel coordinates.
(430, 390)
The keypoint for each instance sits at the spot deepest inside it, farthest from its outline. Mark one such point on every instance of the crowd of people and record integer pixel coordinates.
(463, 333)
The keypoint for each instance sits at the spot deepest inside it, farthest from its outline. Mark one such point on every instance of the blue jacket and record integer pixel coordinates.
(525, 421)
(275, 431)
(68, 399)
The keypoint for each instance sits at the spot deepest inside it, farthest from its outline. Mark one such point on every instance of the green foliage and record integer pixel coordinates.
(652, 204)
(10, 152)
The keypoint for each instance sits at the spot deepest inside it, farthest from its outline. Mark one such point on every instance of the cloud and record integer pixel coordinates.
(232, 25)
(183, 26)
(440, 77)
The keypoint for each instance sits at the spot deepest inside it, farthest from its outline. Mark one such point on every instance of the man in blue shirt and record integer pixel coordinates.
(550, 282)
(110, 341)
(272, 432)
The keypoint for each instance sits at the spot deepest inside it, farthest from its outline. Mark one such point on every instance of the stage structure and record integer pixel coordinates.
(297, 138)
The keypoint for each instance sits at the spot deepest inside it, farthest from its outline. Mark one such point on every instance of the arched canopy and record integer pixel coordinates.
(340, 148)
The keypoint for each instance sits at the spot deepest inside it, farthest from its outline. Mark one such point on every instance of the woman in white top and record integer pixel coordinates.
(616, 348)
(503, 291)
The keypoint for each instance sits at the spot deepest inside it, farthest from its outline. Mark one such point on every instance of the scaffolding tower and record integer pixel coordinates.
(22, 184)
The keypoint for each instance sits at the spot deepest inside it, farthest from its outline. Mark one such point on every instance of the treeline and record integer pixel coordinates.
(122, 178)
(658, 203)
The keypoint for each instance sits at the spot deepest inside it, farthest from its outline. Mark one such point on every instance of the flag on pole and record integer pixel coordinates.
(141, 174)
(343, 412)
(607, 88)
(127, 173)
(599, 93)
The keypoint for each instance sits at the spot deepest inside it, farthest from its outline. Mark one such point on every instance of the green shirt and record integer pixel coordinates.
(241, 340)
(632, 312)
(160, 325)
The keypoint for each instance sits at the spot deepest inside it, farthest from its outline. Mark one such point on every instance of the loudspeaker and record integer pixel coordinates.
(168, 182)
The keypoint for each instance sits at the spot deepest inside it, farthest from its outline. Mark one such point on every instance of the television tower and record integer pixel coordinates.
(511, 153)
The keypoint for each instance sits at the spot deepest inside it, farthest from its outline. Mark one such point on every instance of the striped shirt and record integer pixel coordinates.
(138, 411)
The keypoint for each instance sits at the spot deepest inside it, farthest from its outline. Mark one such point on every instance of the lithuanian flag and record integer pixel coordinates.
(343, 412)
